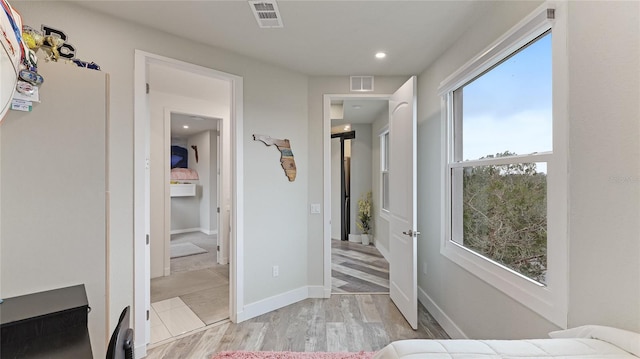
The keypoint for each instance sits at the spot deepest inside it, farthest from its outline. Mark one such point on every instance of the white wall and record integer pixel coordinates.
(604, 167)
(380, 223)
(360, 170)
(206, 171)
(275, 103)
(604, 253)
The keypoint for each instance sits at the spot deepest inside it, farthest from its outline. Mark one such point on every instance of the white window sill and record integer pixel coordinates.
(542, 299)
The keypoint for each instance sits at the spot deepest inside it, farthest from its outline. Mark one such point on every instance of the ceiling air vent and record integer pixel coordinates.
(362, 83)
(266, 13)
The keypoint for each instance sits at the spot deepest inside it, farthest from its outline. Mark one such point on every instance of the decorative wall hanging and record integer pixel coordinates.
(54, 44)
(286, 155)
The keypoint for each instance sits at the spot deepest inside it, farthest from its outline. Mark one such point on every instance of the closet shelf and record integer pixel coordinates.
(183, 190)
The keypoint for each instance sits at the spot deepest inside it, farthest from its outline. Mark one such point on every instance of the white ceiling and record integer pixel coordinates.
(320, 37)
(196, 124)
(360, 111)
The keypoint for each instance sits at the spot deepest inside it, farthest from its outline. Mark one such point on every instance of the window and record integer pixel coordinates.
(384, 170)
(505, 167)
(502, 141)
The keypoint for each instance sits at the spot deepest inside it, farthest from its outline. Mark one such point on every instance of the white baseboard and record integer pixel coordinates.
(316, 291)
(140, 351)
(443, 319)
(186, 230)
(207, 232)
(167, 271)
(327, 292)
(382, 250)
(278, 301)
(223, 260)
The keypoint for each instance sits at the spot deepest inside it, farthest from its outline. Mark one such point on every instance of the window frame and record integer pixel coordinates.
(384, 168)
(550, 300)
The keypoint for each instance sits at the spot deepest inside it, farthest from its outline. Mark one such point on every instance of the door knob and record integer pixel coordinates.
(411, 233)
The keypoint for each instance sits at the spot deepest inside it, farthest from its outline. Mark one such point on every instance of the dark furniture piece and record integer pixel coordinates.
(51, 324)
(121, 343)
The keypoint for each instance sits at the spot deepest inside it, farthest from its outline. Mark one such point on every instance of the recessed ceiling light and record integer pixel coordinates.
(356, 107)
(381, 55)
(185, 126)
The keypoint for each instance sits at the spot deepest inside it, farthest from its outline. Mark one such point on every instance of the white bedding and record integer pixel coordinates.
(503, 349)
(588, 341)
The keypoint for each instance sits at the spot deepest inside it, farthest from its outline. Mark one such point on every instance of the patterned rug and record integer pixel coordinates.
(292, 355)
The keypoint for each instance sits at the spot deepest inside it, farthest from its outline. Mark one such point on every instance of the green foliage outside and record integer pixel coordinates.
(505, 215)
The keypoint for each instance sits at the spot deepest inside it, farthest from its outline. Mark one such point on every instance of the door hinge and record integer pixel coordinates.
(218, 209)
(218, 248)
(147, 314)
(147, 239)
(147, 87)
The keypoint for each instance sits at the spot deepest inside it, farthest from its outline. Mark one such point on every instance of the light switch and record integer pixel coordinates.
(315, 208)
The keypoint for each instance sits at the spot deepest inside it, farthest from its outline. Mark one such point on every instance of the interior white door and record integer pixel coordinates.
(402, 201)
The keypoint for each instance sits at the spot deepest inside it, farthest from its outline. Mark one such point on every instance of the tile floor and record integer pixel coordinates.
(170, 318)
(196, 293)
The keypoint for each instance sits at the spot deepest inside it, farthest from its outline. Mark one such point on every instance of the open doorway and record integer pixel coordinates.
(187, 282)
(357, 265)
(152, 73)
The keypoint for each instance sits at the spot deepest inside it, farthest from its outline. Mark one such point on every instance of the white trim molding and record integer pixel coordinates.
(440, 316)
(278, 301)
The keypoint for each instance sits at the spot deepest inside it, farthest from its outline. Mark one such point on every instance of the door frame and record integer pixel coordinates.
(141, 222)
(326, 175)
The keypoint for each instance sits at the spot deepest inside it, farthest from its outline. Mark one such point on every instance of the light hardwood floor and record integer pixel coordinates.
(356, 268)
(344, 322)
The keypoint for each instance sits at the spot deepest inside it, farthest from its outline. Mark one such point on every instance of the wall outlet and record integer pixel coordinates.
(276, 271)
(315, 208)
(424, 267)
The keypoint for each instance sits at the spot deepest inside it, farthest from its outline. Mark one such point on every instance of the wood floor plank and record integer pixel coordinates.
(360, 275)
(337, 337)
(316, 333)
(367, 269)
(340, 323)
(380, 265)
(368, 309)
(358, 269)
